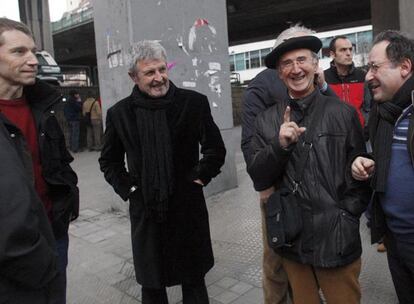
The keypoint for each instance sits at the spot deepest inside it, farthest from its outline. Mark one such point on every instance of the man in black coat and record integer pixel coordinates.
(159, 128)
(265, 90)
(36, 180)
(303, 144)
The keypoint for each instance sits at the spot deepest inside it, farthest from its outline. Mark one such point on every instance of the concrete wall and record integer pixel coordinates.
(395, 15)
(35, 14)
(406, 9)
(194, 34)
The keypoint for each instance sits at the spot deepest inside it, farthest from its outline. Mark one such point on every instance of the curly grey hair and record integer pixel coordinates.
(295, 30)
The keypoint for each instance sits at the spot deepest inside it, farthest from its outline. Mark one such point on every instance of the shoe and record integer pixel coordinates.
(381, 247)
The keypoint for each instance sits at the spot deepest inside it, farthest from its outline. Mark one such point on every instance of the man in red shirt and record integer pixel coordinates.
(36, 180)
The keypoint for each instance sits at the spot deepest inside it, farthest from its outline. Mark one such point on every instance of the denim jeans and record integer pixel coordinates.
(62, 245)
(74, 129)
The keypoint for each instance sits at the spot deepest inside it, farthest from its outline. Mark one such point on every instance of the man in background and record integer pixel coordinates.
(73, 110)
(91, 111)
(346, 80)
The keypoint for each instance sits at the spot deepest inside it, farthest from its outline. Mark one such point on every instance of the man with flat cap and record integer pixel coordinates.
(304, 144)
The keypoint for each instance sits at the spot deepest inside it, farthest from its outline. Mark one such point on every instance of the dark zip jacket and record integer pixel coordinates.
(263, 91)
(351, 89)
(55, 158)
(330, 236)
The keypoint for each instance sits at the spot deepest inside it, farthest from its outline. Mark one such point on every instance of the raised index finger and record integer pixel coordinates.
(286, 116)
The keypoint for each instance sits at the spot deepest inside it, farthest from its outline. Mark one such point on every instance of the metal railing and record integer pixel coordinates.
(73, 20)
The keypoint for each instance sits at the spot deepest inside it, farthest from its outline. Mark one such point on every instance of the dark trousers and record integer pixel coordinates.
(74, 135)
(192, 294)
(401, 263)
(62, 263)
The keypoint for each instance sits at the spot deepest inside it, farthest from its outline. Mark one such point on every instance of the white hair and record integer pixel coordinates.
(296, 30)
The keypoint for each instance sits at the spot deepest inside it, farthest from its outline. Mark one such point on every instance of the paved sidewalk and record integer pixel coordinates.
(100, 260)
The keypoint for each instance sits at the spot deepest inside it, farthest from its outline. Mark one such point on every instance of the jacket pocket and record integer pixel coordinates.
(348, 238)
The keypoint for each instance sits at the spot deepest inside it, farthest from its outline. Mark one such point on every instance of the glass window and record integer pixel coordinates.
(41, 60)
(231, 59)
(240, 63)
(351, 37)
(364, 42)
(247, 59)
(263, 54)
(324, 53)
(254, 59)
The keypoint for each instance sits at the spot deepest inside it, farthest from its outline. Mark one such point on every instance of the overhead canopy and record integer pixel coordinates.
(247, 21)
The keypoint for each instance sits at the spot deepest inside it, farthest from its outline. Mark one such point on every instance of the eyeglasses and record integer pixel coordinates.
(288, 64)
(374, 67)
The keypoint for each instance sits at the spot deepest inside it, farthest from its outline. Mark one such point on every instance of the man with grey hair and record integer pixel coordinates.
(263, 91)
(159, 128)
(301, 148)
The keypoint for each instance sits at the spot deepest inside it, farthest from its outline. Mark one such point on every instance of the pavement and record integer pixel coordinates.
(100, 269)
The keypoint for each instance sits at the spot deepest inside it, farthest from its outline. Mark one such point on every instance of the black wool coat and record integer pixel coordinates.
(178, 250)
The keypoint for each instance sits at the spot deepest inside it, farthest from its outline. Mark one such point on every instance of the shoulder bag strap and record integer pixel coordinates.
(90, 109)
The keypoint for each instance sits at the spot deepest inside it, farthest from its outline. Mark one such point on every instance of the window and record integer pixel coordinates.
(231, 59)
(254, 59)
(364, 42)
(247, 60)
(240, 62)
(263, 54)
(324, 53)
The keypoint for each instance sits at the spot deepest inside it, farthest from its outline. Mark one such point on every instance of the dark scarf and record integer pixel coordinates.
(157, 180)
(382, 129)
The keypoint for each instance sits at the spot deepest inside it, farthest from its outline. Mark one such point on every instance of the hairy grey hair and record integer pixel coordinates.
(146, 49)
(10, 25)
(295, 30)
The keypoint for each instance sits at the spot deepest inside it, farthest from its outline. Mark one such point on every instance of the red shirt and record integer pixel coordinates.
(19, 113)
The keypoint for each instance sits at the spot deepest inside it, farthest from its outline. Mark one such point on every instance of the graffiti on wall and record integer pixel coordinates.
(199, 44)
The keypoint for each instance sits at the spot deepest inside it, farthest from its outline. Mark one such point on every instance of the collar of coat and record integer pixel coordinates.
(351, 69)
(41, 95)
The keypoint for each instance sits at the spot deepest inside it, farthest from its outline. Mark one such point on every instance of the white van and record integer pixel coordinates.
(48, 69)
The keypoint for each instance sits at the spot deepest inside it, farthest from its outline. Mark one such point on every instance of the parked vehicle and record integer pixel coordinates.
(48, 69)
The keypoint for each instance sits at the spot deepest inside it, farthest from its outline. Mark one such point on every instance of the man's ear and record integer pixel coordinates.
(406, 66)
(332, 54)
(132, 76)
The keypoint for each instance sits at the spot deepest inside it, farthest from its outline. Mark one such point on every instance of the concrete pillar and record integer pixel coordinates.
(35, 14)
(395, 15)
(407, 16)
(194, 33)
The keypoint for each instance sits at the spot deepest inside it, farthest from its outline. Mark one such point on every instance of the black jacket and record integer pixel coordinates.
(330, 237)
(263, 91)
(378, 218)
(55, 158)
(28, 255)
(178, 250)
